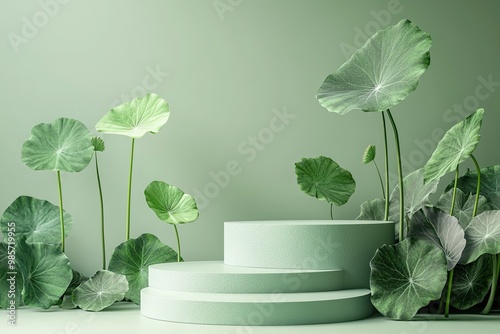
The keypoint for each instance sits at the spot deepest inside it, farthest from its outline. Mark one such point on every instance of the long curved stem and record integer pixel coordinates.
(448, 294)
(103, 239)
(331, 211)
(127, 231)
(494, 284)
(61, 210)
(450, 274)
(478, 185)
(400, 175)
(380, 178)
(178, 244)
(386, 162)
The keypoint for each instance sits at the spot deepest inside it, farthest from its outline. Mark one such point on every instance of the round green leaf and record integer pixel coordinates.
(380, 74)
(456, 146)
(406, 277)
(7, 278)
(35, 219)
(63, 145)
(369, 154)
(170, 203)
(100, 291)
(482, 235)
(471, 282)
(441, 229)
(135, 118)
(324, 179)
(98, 144)
(132, 259)
(46, 273)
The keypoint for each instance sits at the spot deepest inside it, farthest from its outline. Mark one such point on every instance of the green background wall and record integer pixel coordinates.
(227, 69)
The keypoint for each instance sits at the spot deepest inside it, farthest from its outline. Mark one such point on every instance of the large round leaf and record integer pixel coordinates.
(456, 146)
(46, 273)
(406, 277)
(324, 179)
(132, 259)
(35, 219)
(471, 282)
(380, 74)
(135, 118)
(63, 145)
(464, 205)
(482, 235)
(441, 229)
(170, 203)
(100, 291)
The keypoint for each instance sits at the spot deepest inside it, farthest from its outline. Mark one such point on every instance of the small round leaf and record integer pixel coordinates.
(170, 203)
(324, 179)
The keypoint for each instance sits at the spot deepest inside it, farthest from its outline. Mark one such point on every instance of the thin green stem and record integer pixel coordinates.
(61, 210)
(494, 284)
(400, 175)
(127, 231)
(380, 178)
(478, 186)
(386, 162)
(448, 294)
(454, 194)
(103, 240)
(178, 244)
(331, 211)
(450, 274)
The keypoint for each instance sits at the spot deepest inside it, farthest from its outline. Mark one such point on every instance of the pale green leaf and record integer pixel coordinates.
(170, 203)
(63, 145)
(135, 118)
(324, 179)
(406, 277)
(456, 146)
(372, 210)
(380, 74)
(369, 154)
(100, 291)
(482, 235)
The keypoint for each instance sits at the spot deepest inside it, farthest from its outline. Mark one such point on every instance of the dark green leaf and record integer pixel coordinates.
(471, 282)
(324, 179)
(46, 273)
(380, 74)
(98, 144)
(132, 258)
(406, 277)
(35, 219)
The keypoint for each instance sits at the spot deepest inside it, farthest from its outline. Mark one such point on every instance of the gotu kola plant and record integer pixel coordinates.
(407, 276)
